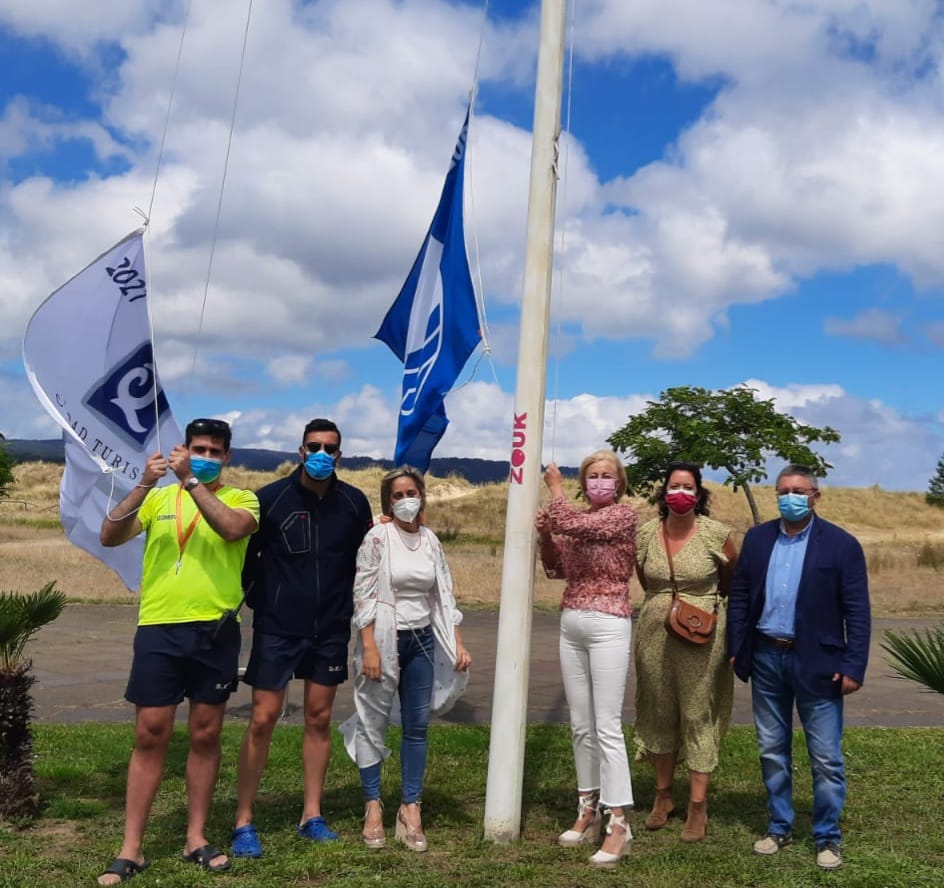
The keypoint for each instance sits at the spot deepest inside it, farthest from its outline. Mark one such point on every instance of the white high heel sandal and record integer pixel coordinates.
(606, 860)
(571, 838)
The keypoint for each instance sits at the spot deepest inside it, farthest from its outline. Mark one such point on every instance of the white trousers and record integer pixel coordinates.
(594, 655)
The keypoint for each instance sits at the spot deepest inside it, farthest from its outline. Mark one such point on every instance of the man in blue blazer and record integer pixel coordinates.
(799, 625)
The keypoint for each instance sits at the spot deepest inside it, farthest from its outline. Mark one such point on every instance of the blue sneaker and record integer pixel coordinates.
(317, 830)
(246, 842)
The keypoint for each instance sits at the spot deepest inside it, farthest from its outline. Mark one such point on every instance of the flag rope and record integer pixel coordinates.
(479, 285)
(561, 275)
(219, 203)
(170, 105)
(146, 216)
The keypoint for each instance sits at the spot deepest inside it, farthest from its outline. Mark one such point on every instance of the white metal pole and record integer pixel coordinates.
(512, 661)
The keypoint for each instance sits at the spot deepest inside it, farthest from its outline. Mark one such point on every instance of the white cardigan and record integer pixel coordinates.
(377, 702)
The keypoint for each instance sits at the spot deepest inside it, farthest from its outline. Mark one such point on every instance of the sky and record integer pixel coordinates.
(752, 193)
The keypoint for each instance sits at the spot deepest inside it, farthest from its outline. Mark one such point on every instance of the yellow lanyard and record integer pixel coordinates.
(183, 536)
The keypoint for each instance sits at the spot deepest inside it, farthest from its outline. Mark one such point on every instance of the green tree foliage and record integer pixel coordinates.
(935, 494)
(6, 469)
(918, 657)
(730, 429)
(21, 617)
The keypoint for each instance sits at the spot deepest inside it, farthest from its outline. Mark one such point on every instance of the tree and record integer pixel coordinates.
(728, 429)
(6, 469)
(935, 494)
(21, 617)
(918, 657)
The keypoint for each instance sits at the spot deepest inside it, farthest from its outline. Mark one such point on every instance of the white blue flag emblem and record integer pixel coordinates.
(433, 325)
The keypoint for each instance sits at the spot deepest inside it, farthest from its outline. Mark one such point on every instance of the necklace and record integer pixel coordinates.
(405, 539)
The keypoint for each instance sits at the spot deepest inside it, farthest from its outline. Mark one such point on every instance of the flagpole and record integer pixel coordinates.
(512, 661)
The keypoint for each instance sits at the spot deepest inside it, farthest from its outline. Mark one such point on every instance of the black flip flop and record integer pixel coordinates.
(125, 869)
(203, 856)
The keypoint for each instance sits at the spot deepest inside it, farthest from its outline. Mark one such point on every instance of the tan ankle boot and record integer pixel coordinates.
(662, 807)
(696, 824)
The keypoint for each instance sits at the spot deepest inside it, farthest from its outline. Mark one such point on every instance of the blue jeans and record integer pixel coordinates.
(415, 650)
(773, 694)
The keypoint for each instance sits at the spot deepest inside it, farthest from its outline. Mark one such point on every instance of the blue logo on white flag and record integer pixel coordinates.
(425, 336)
(125, 397)
(433, 325)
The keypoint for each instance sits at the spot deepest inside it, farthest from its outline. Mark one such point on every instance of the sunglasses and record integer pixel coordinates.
(315, 446)
(213, 427)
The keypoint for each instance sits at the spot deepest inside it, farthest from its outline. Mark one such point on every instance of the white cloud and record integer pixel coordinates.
(873, 324)
(789, 397)
(289, 368)
(935, 333)
(77, 28)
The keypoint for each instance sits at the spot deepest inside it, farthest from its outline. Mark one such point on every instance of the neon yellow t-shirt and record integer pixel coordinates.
(208, 580)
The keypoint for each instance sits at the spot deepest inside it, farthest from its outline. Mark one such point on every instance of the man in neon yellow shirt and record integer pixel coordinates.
(187, 641)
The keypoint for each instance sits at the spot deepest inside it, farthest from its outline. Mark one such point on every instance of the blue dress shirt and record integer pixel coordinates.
(783, 581)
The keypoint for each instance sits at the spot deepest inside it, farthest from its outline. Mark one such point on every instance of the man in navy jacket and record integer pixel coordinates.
(299, 580)
(799, 625)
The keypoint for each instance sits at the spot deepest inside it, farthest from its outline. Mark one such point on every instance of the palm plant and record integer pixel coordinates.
(919, 657)
(21, 617)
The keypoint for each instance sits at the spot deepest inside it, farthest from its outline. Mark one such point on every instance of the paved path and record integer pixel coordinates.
(81, 663)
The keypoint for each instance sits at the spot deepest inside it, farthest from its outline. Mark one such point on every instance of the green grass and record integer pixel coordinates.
(893, 823)
(35, 523)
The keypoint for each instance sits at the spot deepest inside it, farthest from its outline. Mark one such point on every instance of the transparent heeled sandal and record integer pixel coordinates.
(411, 836)
(373, 836)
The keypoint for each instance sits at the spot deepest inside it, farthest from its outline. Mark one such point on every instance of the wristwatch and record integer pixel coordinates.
(191, 482)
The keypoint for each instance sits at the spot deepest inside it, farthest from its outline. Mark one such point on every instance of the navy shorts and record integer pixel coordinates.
(275, 660)
(177, 660)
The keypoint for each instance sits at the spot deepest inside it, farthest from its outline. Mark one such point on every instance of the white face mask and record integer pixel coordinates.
(408, 508)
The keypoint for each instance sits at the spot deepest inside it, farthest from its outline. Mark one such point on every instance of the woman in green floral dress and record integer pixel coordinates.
(684, 692)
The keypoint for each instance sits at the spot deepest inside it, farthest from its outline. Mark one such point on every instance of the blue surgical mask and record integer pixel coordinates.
(319, 465)
(793, 506)
(204, 469)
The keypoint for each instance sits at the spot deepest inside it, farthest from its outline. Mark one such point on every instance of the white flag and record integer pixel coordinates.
(89, 356)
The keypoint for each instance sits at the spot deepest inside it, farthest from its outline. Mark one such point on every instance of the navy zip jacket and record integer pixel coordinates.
(299, 569)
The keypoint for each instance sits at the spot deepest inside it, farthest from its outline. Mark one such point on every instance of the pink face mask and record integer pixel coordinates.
(601, 491)
(680, 501)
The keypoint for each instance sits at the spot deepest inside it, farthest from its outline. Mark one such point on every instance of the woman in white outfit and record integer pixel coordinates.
(409, 646)
(594, 550)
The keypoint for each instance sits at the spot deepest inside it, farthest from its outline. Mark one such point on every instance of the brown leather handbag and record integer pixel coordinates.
(684, 621)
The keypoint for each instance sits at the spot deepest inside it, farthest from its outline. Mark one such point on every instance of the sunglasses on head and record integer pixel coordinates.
(212, 427)
(315, 446)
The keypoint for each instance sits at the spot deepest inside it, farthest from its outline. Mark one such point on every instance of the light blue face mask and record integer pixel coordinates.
(793, 506)
(204, 469)
(319, 465)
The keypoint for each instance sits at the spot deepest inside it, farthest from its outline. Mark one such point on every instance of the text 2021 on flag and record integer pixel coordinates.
(89, 356)
(433, 325)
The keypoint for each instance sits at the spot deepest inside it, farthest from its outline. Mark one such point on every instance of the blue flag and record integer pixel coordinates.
(433, 325)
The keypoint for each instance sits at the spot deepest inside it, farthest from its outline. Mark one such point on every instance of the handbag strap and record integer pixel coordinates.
(668, 556)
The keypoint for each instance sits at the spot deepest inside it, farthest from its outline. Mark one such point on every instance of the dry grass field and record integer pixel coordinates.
(903, 537)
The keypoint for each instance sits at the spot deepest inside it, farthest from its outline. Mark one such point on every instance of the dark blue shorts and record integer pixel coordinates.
(177, 660)
(275, 660)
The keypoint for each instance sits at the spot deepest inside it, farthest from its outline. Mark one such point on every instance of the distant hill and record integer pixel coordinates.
(477, 471)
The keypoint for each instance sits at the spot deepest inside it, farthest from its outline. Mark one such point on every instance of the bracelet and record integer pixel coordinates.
(145, 485)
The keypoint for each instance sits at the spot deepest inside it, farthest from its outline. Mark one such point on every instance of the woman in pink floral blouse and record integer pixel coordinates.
(594, 550)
